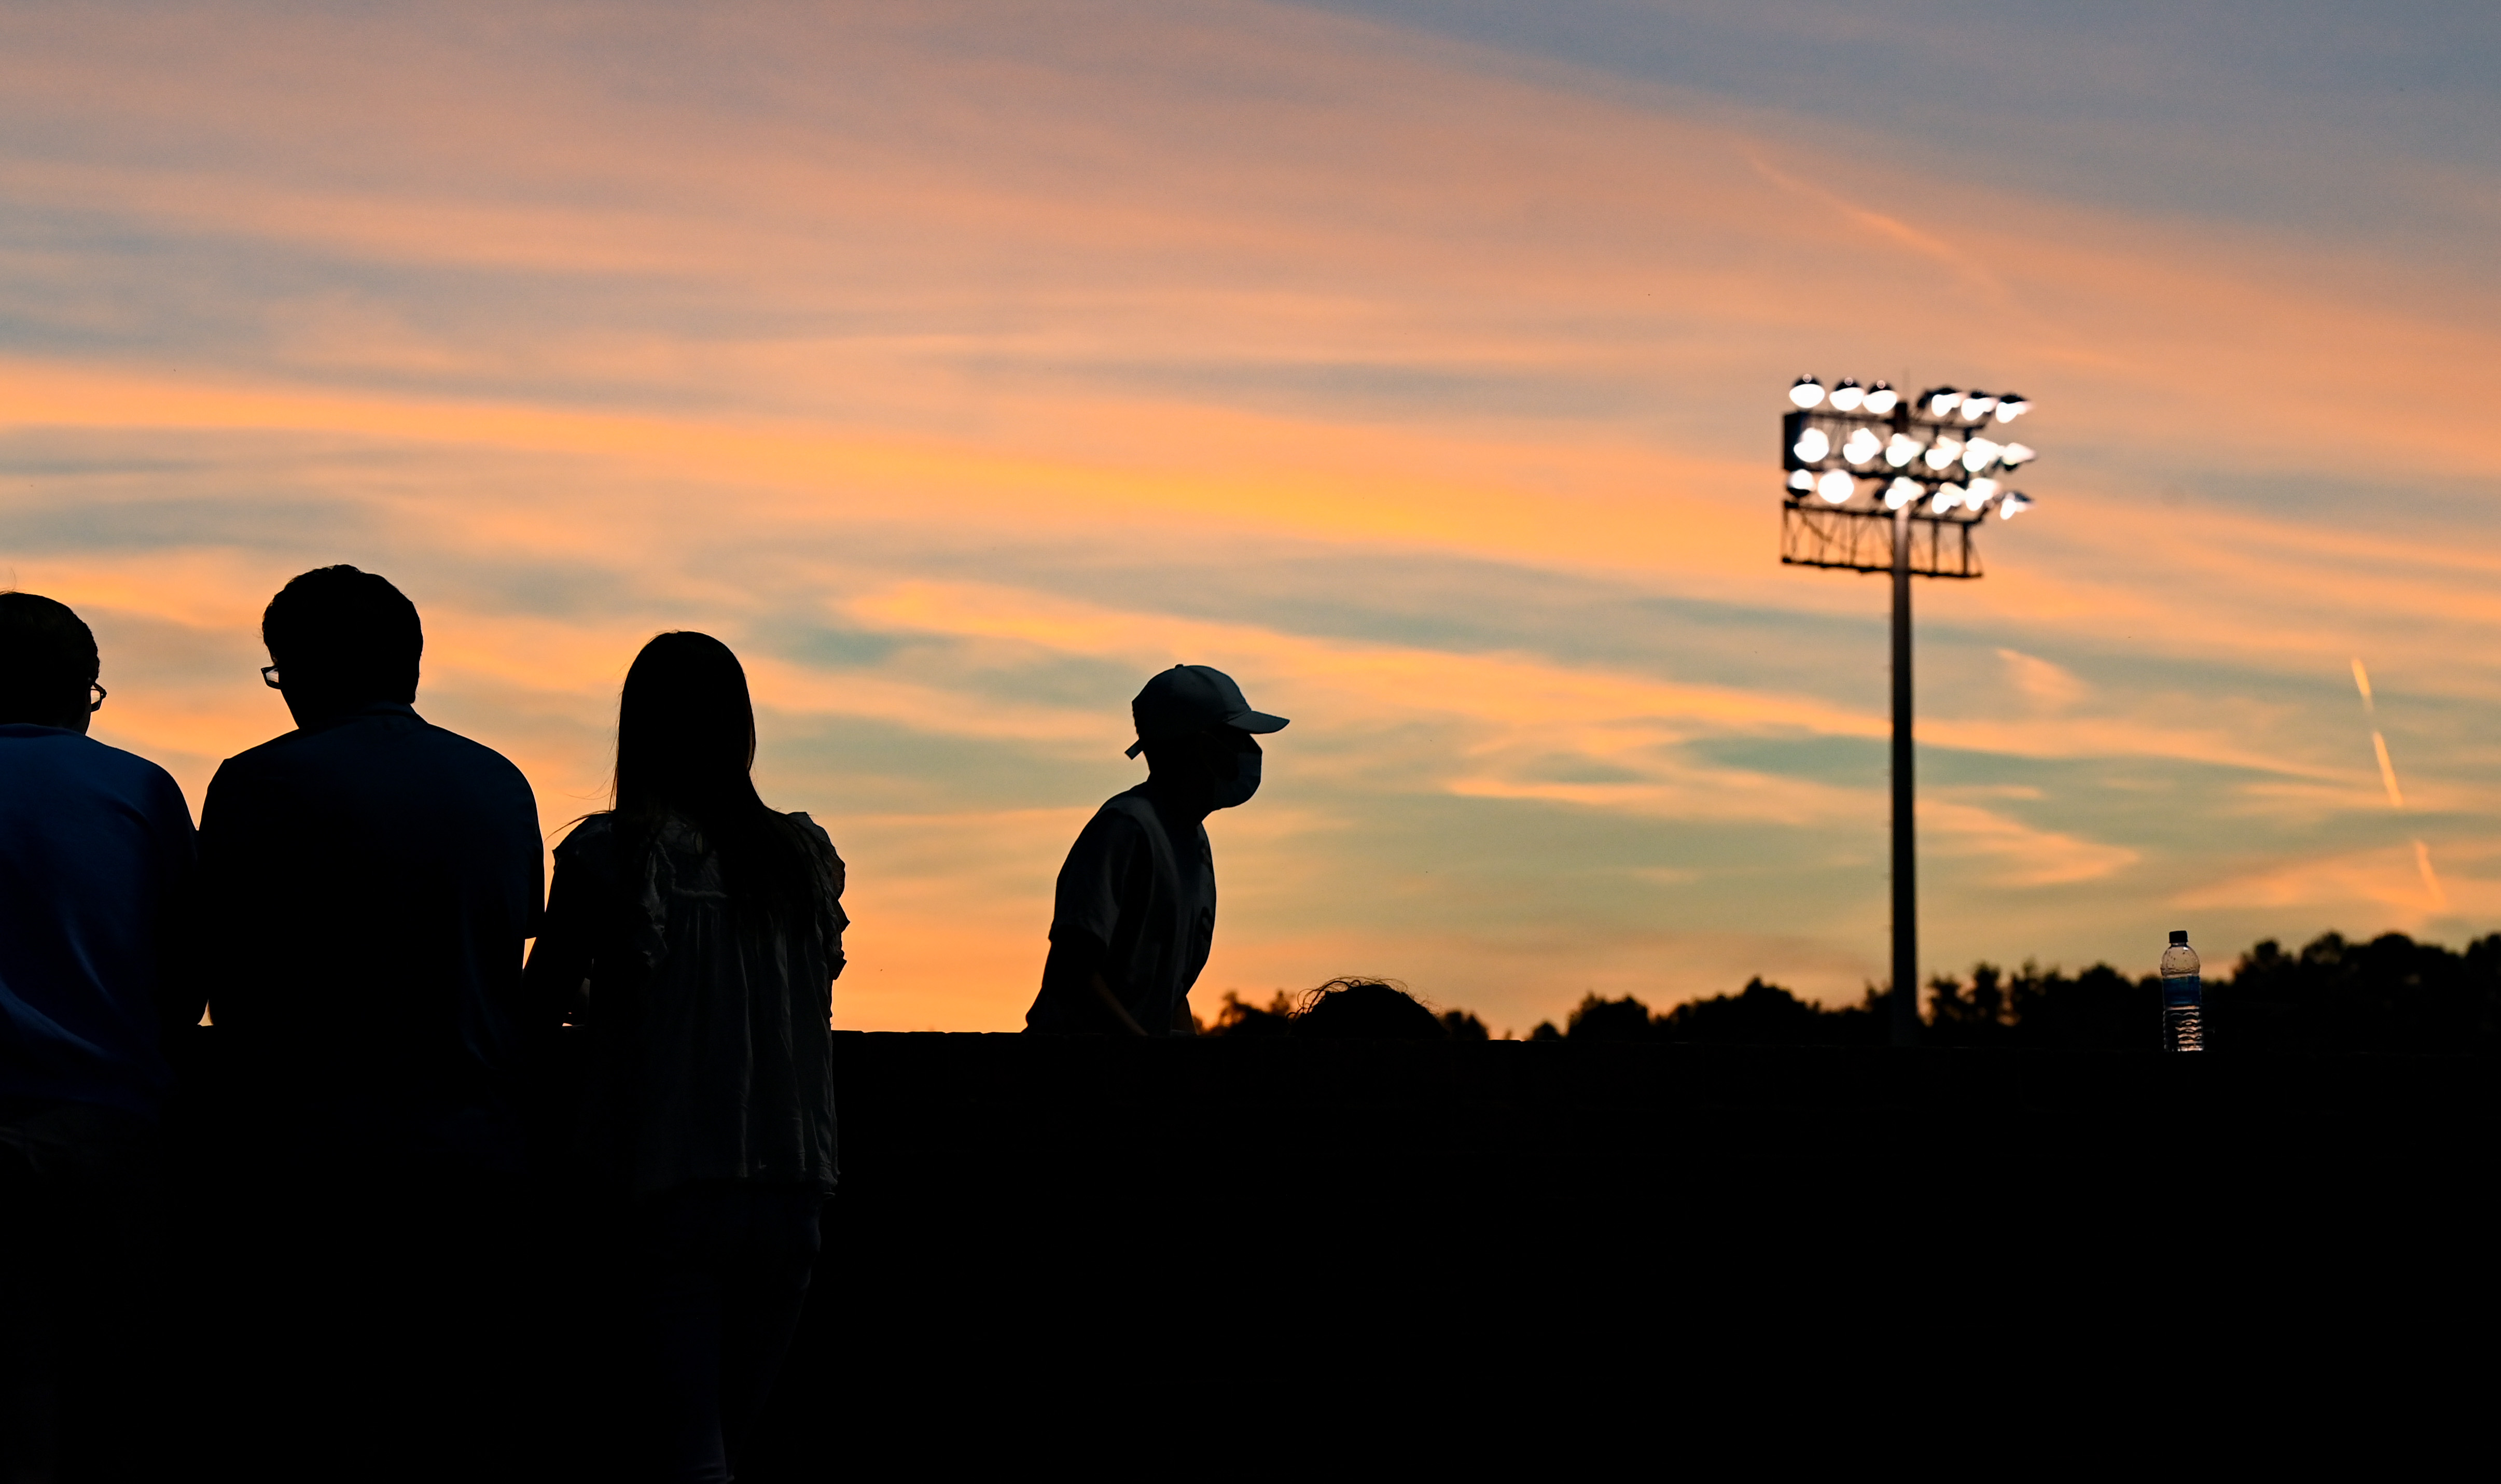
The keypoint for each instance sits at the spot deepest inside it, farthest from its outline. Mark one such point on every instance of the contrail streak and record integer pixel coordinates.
(2396, 797)
(2387, 771)
(2379, 743)
(2423, 860)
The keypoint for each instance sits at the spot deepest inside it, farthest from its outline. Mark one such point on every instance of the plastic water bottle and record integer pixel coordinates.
(2183, 998)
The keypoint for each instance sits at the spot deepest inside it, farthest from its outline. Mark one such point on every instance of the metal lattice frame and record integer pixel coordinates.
(1851, 540)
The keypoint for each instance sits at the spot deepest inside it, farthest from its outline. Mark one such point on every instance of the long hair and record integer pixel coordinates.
(685, 742)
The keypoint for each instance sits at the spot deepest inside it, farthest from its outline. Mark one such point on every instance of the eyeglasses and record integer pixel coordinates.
(269, 678)
(95, 697)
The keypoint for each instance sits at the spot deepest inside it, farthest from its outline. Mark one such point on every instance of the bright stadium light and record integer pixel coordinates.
(1911, 516)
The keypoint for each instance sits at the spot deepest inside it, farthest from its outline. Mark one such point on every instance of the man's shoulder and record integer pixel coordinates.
(347, 743)
(258, 759)
(1118, 826)
(395, 764)
(1129, 803)
(1136, 810)
(1127, 812)
(122, 774)
(138, 774)
(475, 753)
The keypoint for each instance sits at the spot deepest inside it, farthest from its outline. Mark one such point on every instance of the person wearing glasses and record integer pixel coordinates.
(368, 881)
(95, 858)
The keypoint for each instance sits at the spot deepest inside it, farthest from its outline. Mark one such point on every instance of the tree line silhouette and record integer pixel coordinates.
(2390, 994)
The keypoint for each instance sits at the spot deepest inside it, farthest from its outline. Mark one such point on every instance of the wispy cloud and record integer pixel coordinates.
(963, 366)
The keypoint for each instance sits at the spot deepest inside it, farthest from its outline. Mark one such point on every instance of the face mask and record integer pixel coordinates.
(1245, 783)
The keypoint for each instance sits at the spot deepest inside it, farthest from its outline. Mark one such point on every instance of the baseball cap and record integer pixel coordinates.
(1192, 698)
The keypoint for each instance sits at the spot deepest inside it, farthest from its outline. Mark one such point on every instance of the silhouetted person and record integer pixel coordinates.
(95, 857)
(1366, 1010)
(1134, 916)
(694, 935)
(367, 884)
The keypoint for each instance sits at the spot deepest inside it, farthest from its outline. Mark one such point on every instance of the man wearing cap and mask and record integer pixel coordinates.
(1135, 913)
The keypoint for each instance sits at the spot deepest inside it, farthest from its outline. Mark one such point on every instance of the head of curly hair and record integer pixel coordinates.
(1354, 1008)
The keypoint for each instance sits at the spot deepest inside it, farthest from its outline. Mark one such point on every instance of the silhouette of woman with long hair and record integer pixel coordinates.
(693, 936)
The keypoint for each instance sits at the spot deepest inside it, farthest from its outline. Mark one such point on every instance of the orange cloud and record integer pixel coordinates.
(916, 338)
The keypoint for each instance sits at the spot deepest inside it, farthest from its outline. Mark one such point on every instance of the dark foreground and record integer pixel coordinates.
(1045, 1244)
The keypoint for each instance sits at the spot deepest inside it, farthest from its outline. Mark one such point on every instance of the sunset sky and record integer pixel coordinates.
(1418, 364)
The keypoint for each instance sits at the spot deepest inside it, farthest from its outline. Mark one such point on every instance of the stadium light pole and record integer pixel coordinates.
(1869, 471)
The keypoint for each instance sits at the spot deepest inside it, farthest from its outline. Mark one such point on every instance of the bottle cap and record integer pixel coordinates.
(2179, 935)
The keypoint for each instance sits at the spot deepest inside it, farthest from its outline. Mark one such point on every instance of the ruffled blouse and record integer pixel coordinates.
(711, 1055)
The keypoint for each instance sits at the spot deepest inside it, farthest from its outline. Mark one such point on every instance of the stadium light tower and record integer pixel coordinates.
(1881, 483)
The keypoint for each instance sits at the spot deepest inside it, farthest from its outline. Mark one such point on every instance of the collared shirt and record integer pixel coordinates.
(712, 1056)
(95, 854)
(367, 885)
(1141, 883)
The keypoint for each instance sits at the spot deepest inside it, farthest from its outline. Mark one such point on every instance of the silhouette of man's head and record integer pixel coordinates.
(47, 660)
(1366, 1010)
(1200, 736)
(1190, 700)
(342, 639)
